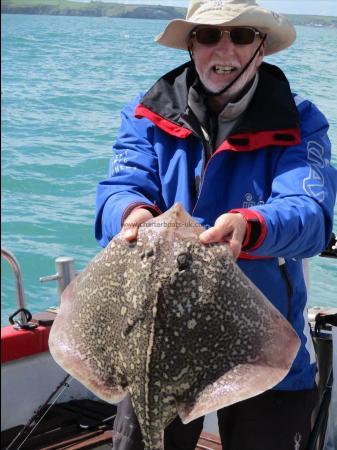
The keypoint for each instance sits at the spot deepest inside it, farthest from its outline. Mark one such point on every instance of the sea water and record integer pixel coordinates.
(64, 82)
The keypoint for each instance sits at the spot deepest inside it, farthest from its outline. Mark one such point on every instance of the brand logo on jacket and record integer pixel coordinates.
(251, 201)
(313, 184)
(119, 162)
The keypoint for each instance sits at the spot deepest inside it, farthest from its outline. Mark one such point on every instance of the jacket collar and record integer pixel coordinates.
(271, 118)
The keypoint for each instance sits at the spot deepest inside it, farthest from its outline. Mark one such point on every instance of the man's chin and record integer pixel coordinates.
(214, 90)
(228, 95)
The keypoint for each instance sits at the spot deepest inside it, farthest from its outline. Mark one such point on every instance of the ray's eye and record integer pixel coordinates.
(184, 261)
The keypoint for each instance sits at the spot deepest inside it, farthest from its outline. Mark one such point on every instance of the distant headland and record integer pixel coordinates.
(101, 9)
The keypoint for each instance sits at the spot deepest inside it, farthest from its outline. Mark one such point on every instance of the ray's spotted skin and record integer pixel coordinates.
(172, 321)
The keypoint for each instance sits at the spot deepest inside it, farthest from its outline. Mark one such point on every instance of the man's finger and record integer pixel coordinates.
(214, 234)
(221, 232)
(235, 247)
(133, 222)
(130, 234)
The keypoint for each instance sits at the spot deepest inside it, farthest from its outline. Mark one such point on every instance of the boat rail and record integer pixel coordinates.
(65, 273)
(13, 262)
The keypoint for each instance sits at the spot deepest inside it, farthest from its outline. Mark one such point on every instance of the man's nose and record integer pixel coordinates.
(225, 42)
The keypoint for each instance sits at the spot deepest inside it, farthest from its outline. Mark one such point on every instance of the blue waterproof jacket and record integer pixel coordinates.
(274, 168)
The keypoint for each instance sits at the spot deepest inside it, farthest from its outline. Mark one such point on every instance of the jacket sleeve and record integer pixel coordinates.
(296, 221)
(133, 176)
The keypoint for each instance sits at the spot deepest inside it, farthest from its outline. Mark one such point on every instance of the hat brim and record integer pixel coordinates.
(280, 32)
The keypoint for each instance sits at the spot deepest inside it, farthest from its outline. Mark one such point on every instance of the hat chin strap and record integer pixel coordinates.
(214, 94)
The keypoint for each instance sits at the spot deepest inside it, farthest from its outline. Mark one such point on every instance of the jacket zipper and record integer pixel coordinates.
(205, 164)
(290, 291)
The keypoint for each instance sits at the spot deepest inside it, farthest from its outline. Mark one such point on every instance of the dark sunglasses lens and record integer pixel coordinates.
(208, 35)
(242, 36)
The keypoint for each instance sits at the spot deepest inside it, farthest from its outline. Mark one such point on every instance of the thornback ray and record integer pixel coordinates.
(173, 322)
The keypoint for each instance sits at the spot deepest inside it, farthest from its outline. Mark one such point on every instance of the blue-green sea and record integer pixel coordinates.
(64, 81)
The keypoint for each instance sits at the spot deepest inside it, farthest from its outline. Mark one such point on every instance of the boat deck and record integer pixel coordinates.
(78, 424)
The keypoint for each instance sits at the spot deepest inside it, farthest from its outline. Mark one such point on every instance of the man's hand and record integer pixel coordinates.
(133, 221)
(229, 228)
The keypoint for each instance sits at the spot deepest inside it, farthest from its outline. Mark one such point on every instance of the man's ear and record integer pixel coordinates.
(190, 46)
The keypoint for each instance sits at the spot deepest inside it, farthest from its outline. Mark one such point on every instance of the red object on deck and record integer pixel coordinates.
(17, 344)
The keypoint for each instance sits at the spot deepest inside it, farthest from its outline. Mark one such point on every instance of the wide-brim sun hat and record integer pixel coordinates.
(280, 32)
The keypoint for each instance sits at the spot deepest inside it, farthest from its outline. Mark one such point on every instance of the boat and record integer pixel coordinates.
(44, 408)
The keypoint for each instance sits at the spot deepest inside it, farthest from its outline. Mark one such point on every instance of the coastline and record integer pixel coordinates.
(118, 10)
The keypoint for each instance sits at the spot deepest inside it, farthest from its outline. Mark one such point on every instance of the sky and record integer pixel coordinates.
(317, 7)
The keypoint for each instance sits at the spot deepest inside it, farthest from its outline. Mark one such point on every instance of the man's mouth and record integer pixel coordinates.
(223, 69)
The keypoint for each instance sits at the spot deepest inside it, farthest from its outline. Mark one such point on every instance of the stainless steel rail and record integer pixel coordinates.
(13, 262)
(65, 273)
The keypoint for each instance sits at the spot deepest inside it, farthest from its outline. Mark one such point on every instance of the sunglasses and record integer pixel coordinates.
(213, 35)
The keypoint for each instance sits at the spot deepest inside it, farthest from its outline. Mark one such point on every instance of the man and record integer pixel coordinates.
(224, 136)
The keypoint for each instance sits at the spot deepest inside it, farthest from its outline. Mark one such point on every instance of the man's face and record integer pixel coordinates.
(218, 64)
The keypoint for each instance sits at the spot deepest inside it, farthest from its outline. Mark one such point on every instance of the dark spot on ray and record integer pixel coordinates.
(149, 252)
(131, 322)
(133, 244)
(184, 261)
(128, 329)
(124, 383)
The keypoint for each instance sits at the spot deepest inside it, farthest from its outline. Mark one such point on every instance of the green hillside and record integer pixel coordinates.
(94, 8)
(98, 9)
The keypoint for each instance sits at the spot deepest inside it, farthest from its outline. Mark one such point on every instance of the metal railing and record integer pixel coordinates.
(65, 273)
(13, 262)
